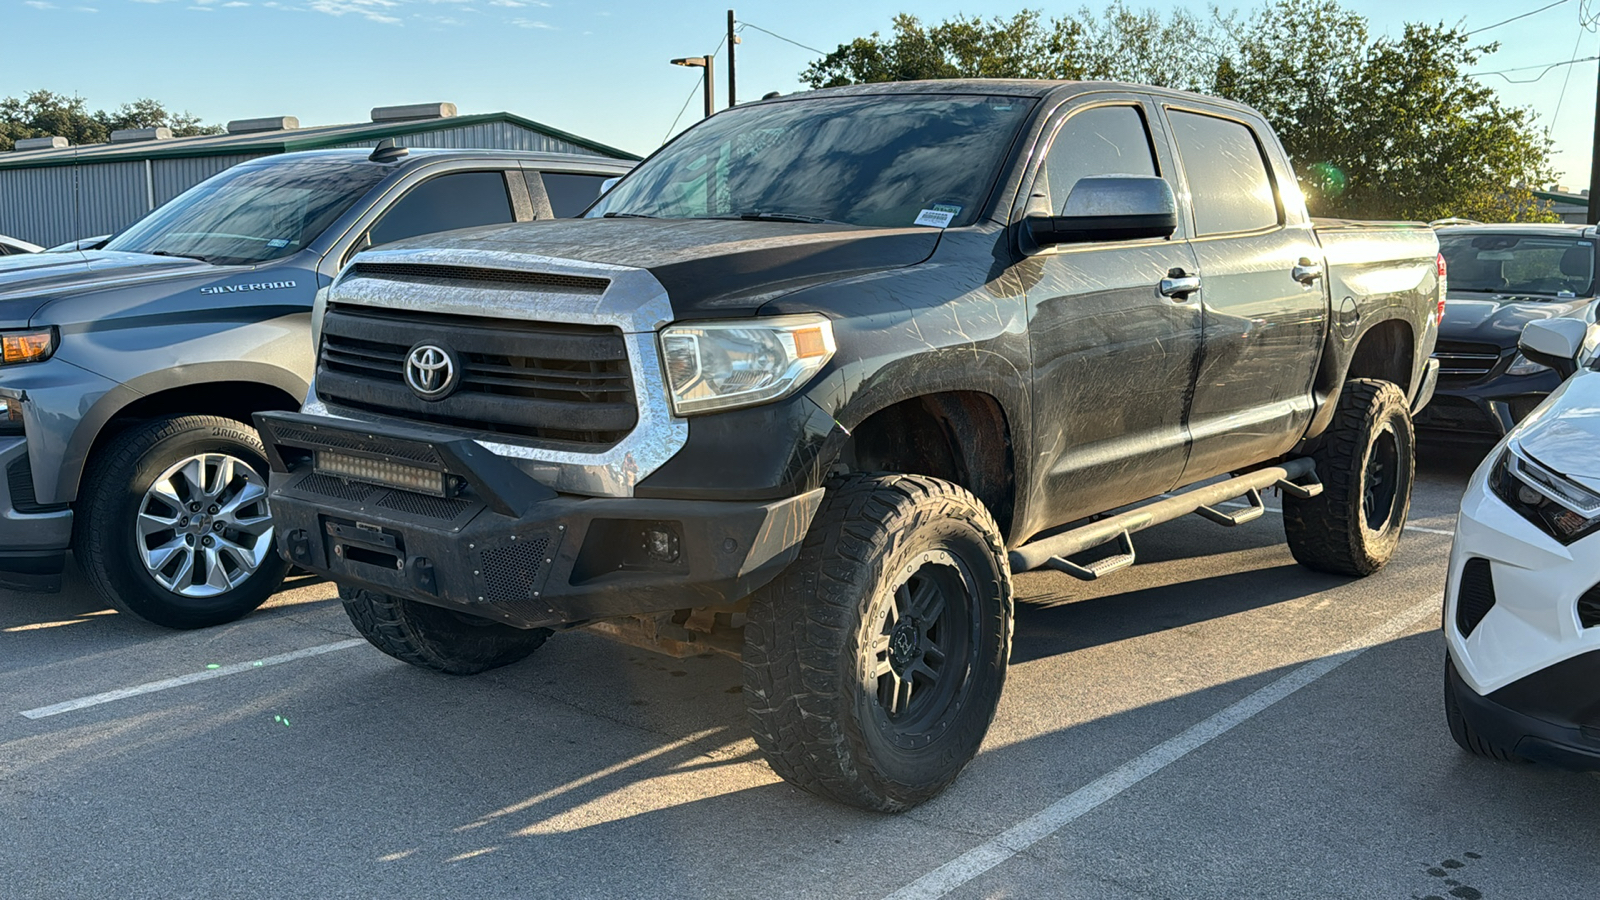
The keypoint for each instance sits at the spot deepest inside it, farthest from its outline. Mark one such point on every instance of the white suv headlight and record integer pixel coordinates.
(724, 365)
(1559, 506)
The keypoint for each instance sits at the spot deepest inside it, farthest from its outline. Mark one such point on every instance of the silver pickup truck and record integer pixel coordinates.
(129, 373)
(833, 367)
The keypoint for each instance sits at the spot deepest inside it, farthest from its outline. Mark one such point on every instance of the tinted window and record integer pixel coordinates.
(253, 213)
(1228, 178)
(461, 200)
(1107, 140)
(1512, 263)
(883, 161)
(571, 194)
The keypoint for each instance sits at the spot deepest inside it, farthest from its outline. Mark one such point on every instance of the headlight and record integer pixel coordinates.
(1562, 508)
(723, 365)
(33, 345)
(1521, 365)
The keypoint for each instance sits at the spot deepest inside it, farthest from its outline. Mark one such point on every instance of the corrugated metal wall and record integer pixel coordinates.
(486, 136)
(110, 196)
(172, 177)
(37, 204)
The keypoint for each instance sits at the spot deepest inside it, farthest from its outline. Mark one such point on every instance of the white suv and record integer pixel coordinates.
(1522, 606)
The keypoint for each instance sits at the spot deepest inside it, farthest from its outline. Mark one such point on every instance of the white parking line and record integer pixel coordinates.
(1079, 803)
(56, 709)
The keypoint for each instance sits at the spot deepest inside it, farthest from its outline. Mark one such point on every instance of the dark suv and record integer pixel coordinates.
(1501, 277)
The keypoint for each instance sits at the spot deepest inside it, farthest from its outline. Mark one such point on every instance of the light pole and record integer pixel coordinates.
(708, 63)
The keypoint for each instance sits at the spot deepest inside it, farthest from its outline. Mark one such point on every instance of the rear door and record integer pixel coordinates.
(1262, 292)
(1113, 359)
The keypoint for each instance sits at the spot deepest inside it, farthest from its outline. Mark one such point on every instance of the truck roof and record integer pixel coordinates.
(1006, 87)
(418, 154)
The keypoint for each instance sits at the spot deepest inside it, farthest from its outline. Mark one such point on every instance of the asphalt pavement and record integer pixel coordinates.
(1214, 722)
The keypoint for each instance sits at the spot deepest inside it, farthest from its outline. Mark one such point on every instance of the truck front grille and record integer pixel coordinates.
(1462, 361)
(552, 382)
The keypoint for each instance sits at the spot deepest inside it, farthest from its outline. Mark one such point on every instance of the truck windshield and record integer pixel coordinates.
(885, 161)
(1519, 264)
(252, 213)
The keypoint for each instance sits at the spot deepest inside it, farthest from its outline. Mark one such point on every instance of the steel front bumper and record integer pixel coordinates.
(502, 545)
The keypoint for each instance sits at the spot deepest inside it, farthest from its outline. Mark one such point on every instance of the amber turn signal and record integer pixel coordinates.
(27, 346)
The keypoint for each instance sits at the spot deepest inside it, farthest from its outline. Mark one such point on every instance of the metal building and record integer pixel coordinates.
(51, 193)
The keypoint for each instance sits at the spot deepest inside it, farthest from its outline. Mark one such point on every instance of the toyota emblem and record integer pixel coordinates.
(431, 371)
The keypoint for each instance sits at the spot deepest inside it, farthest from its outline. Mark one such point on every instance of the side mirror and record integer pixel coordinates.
(1557, 343)
(608, 184)
(1110, 208)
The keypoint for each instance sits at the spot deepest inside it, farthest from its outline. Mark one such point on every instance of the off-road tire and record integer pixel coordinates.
(114, 485)
(1470, 740)
(816, 634)
(1370, 435)
(431, 637)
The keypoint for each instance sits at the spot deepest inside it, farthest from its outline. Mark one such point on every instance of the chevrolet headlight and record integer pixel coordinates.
(724, 365)
(27, 346)
(1559, 506)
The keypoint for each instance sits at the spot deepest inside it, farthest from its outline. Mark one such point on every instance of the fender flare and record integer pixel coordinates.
(111, 404)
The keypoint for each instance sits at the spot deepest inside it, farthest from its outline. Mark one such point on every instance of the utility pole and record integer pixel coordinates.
(1594, 162)
(733, 40)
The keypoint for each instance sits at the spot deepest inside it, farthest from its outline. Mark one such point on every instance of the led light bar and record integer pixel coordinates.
(381, 472)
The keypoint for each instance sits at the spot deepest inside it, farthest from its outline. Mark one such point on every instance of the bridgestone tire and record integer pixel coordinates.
(114, 486)
(1470, 741)
(1367, 463)
(890, 566)
(431, 637)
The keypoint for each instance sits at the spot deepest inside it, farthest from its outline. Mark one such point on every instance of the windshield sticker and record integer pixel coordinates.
(939, 215)
(275, 243)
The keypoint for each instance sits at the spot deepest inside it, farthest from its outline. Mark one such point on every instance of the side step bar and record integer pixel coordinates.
(1053, 551)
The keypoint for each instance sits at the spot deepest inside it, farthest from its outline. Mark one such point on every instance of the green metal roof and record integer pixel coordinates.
(287, 141)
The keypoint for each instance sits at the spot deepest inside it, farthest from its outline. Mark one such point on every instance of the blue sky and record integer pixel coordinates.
(597, 68)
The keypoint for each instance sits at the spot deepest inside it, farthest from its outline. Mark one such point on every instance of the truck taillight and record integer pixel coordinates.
(1438, 317)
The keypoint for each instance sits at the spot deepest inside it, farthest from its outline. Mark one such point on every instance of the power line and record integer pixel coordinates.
(1568, 77)
(1515, 18)
(693, 91)
(1547, 70)
(812, 49)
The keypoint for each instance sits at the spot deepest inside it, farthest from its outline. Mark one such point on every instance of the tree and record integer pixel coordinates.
(1378, 128)
(42, 113)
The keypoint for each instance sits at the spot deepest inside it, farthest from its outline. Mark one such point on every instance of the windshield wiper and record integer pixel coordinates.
(179, 255)
(623, 215)
(781, 217)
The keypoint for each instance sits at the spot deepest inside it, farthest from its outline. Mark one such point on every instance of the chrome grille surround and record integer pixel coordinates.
(634, 302)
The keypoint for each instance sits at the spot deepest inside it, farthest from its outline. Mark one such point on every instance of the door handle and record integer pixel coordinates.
(1306, 272)
(1179, 285)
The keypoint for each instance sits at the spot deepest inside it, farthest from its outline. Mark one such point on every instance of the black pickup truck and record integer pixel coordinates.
(834, 366)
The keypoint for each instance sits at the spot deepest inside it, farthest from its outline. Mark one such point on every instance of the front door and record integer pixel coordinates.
(1113, 359)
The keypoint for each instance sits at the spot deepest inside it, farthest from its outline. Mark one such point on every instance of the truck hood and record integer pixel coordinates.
(28, 283)
(708, 266)
(1566, 434)
(1486, 319)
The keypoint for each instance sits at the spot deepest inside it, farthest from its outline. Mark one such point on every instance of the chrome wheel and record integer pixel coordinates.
(203, 527)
